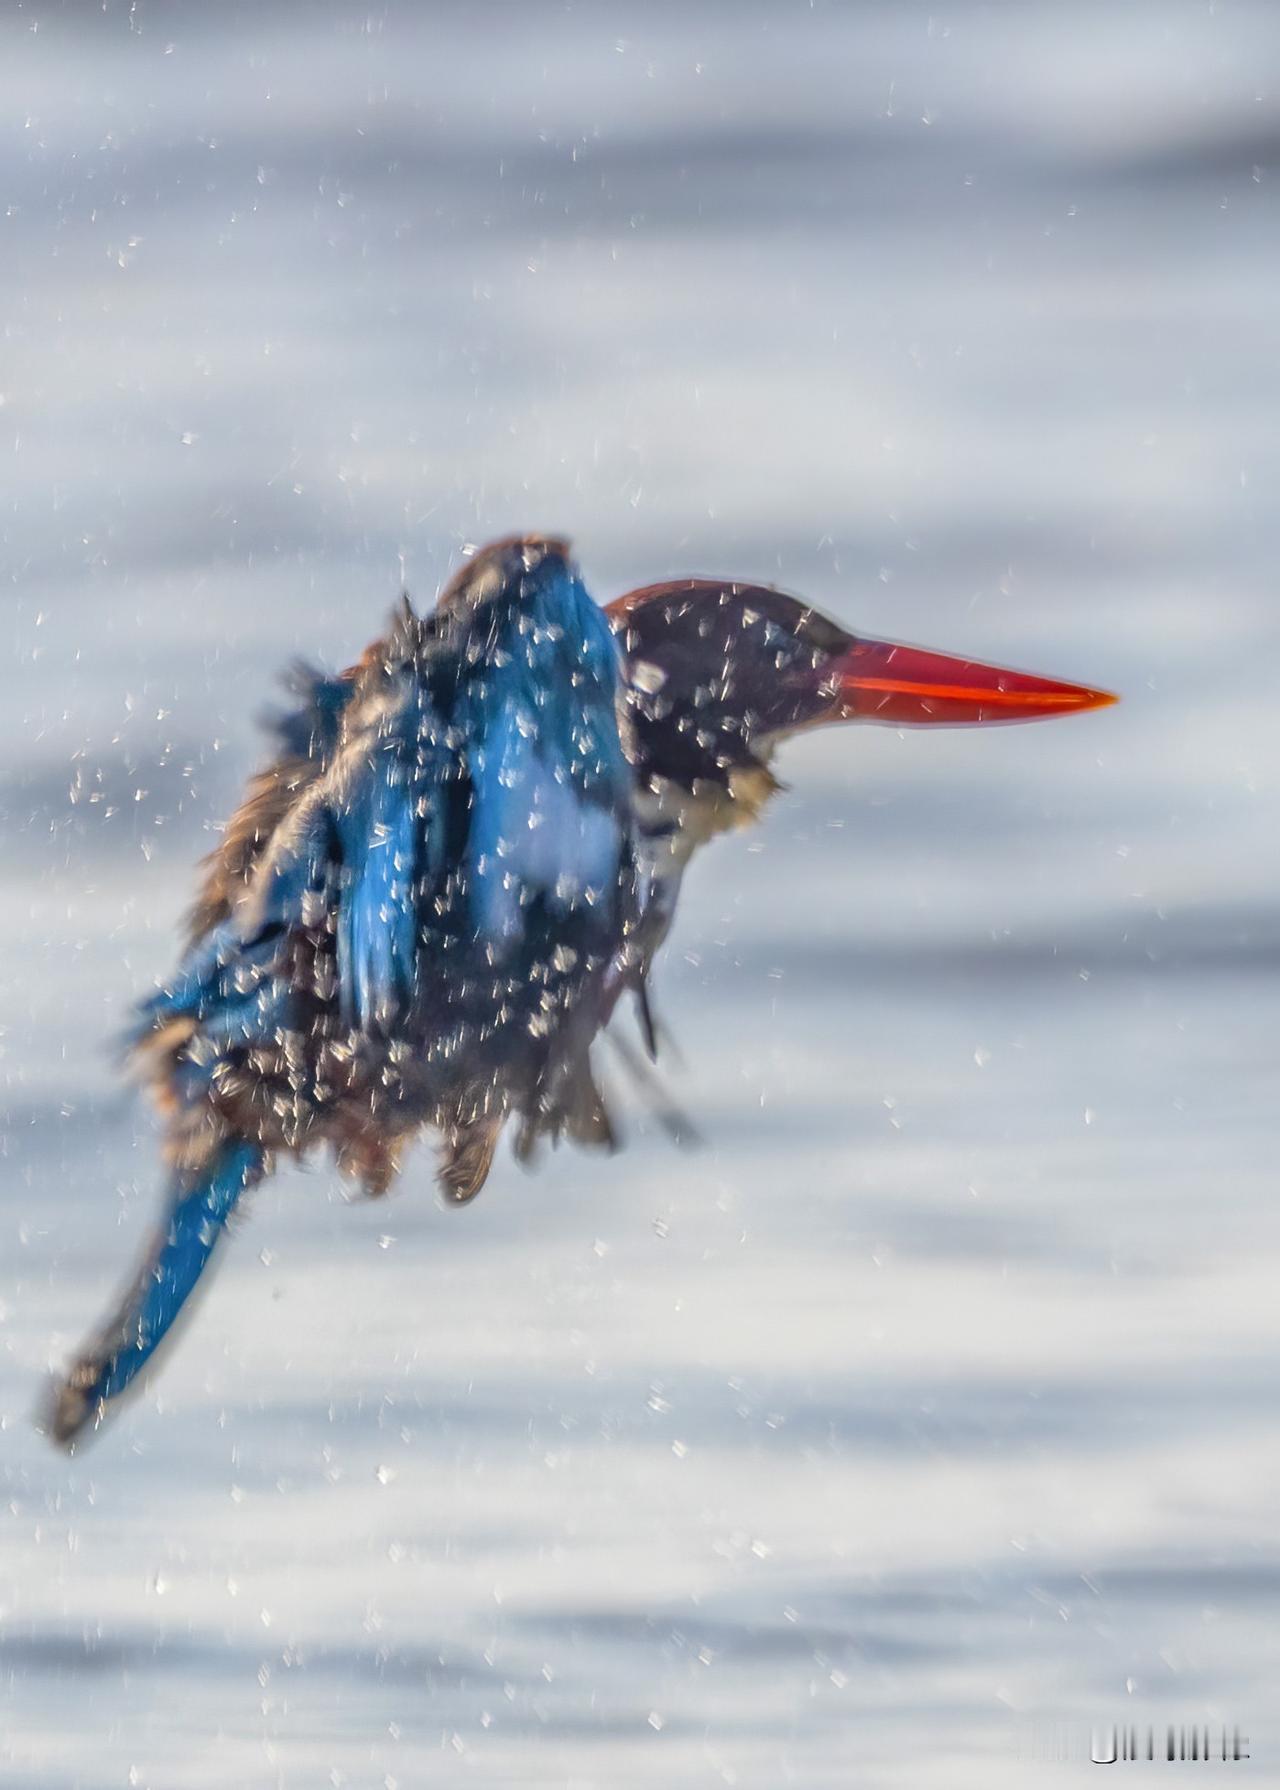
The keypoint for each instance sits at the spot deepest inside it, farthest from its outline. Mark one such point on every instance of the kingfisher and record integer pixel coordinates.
(465, 850)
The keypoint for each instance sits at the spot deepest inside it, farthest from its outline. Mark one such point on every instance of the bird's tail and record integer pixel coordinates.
(198, 1208)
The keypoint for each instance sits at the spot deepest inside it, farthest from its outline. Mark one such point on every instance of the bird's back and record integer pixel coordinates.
(412, 918)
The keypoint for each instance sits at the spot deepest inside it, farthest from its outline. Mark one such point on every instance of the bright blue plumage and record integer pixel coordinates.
(197, 1218)
(550, 782)
(381, 840)
(418, 918)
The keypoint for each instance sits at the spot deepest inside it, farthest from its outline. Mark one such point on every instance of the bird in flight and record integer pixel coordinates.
(467, 848)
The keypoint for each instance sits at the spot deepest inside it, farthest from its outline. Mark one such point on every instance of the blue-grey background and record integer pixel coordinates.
(935, 1397)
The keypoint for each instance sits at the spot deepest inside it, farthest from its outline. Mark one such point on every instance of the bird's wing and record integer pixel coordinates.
(346, 868)
(306, 737)
(476, 805)
(384, 811)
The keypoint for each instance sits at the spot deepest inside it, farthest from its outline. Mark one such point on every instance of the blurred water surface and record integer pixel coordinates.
(935, 1396)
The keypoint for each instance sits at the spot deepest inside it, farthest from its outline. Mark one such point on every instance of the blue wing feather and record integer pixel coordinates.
(550, 782)
(532, 830)
(377, 913)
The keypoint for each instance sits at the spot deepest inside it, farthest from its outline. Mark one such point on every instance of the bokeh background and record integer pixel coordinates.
(934, 1398)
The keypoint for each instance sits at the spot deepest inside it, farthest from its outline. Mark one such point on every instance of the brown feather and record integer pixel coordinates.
(466, 1156)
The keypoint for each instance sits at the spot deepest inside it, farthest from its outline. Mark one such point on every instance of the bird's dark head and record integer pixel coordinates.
(721, 672)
